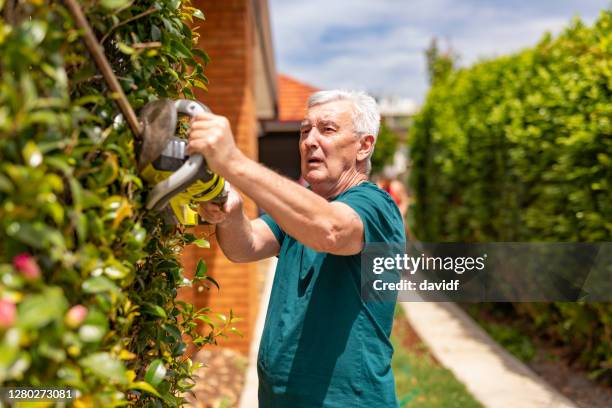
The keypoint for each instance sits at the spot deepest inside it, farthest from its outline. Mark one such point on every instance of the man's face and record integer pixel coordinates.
(328, 143)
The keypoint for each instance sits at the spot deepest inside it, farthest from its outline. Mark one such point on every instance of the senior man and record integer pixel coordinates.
(322, 345)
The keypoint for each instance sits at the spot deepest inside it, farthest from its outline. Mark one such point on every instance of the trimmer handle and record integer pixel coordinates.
(184, 176)
(190, 107)
(193, 109)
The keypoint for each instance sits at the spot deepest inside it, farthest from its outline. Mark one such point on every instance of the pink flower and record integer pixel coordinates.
(76, 315)
(8, 311)
(27, 265)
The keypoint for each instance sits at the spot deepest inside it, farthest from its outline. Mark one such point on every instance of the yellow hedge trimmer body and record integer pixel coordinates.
(179, 180)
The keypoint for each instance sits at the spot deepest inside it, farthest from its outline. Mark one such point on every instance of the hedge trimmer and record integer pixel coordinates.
(180, 180)
(162, 159)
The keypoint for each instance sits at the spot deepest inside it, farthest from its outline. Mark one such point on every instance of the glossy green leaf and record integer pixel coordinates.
(37, 311)
(105, 367)
(155, 373)
(91, 333)
(154, 310)
(201, 269)
(98, 284)
(113, 4)
(202, 243)
(126, 49)
(144, 386)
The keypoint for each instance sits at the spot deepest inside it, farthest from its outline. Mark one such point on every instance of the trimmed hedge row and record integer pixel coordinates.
(518, 148)
(88, 279)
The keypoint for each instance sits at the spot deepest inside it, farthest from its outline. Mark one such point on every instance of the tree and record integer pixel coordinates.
(386, 145)
(439, 64)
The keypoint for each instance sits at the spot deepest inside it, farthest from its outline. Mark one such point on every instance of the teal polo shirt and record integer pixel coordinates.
(322, 345)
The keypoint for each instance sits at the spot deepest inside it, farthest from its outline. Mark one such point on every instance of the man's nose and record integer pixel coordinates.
(311, 140)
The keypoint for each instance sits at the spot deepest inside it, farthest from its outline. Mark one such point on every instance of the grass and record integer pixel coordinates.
(420, 381)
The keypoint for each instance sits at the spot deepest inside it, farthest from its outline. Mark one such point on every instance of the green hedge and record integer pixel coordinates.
(519, 149)
(386, 145)
(88, 279)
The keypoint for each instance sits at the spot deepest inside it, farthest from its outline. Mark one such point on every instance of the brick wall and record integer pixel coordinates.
(227, 36)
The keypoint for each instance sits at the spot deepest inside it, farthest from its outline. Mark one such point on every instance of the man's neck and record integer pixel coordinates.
(346, 181)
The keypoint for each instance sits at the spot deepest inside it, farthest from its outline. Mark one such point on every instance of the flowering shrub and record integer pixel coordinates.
(88, 279)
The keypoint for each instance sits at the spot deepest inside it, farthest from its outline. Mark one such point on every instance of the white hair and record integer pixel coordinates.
(366, 117)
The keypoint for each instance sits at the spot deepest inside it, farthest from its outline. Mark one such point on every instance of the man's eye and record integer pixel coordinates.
(330, 129)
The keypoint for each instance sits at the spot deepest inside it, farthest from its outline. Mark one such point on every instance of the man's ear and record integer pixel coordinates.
(366, 145)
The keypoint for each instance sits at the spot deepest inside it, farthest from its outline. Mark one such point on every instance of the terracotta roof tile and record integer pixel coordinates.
(292, 98)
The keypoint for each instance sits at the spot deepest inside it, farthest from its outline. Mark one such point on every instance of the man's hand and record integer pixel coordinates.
(240, 239)
(217, 214)
(211, 136)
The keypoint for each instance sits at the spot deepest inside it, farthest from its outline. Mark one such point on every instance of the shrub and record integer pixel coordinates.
(386, 145)
(88, 279)
(518, 149)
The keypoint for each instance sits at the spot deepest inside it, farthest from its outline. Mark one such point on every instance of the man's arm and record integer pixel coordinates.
(323, 226)
(326, 227)
(240, 239)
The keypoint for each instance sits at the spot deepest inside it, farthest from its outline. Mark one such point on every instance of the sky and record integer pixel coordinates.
(378, 45)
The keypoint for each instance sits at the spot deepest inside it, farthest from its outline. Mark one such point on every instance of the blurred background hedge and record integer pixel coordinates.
(519, 148)
(88, 280)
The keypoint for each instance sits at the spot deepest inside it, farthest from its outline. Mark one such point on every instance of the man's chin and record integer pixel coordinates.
(314, 176)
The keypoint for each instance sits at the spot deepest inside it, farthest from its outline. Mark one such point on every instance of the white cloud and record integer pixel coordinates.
(378, 45)
(504, 37)
(298, 26)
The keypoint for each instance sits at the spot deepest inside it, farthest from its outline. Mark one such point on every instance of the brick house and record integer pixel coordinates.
(242, 74)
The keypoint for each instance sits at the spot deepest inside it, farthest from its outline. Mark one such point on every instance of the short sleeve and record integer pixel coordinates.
(276, 230)
(381, 218)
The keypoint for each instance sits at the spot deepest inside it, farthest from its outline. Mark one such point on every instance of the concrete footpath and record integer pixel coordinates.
(491, 374)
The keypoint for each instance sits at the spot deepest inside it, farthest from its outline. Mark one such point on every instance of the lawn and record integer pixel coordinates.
(420, 381)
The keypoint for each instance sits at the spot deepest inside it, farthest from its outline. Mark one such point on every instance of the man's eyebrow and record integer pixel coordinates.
(322, 122)
(328, 122)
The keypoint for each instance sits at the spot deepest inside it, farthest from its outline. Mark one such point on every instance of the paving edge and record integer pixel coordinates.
(491, 374)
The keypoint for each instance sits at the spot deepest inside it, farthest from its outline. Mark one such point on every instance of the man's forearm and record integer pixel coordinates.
(301, 213)
(235, 237)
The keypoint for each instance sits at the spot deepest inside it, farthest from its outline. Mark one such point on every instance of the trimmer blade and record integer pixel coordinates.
(158, 120)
